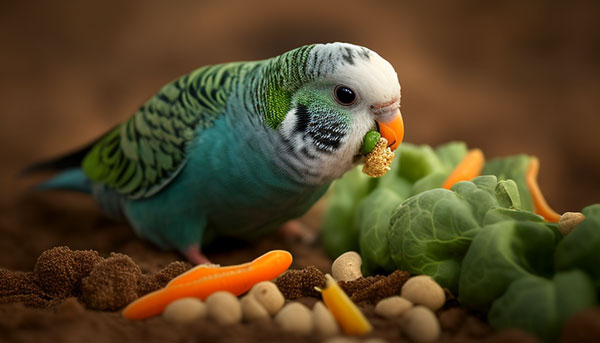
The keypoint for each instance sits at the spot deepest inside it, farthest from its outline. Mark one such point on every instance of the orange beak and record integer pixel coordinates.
(393, 130)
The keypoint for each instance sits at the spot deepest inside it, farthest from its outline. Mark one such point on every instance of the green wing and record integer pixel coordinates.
(141, 156)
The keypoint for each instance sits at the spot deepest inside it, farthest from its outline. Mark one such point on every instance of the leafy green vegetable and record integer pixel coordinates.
(394, 182)
(507, 194)
(431, 231)
(451, 154)
(480, 193)
(423, 165)
(417, 162)
(373, 220)
(514, 168)
(480, 239)
(339, 234)
(581, 248)
(500, 214)
(501, 253)
(431, 181)
(541, 306)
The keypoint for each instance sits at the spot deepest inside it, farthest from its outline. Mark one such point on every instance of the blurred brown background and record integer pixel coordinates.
(509, 77)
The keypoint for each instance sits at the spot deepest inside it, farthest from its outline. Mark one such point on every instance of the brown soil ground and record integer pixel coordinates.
(507, 78)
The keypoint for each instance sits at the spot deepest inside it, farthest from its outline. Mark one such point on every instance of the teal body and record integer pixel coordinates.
(226, 187)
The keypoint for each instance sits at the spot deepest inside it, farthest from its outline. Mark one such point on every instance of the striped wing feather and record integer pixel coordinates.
(141, 156)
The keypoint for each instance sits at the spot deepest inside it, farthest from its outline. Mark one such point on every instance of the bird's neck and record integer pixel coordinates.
(270, 85)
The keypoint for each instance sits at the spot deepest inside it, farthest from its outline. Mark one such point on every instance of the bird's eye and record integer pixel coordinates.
(344, 95)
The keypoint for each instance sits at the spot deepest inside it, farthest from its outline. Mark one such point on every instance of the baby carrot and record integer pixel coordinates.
(196, 283)
(350, 318)
(539, 202)
(200, 271)
(272, 257)
(469, 168)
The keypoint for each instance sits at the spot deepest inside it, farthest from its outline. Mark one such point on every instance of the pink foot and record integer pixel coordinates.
(194, 255)
(295, 229)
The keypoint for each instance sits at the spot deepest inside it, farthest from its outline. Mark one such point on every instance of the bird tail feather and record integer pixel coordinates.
(73, 179)
(70, 175)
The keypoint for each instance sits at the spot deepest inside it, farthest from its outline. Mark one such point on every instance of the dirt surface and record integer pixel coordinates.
(508, 78)
(74, 296)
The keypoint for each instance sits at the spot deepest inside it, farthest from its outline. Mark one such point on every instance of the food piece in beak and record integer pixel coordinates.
(392, 130)
(370, 141)
(379, 160)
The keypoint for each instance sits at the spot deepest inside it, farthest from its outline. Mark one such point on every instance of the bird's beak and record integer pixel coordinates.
(392, 130)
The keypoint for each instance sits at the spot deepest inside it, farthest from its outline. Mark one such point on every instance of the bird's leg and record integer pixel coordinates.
(295, 229)
(193, 254)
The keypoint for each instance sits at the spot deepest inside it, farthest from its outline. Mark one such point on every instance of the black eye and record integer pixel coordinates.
(344, 95)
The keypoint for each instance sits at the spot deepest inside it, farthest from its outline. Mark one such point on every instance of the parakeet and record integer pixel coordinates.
(237, 149)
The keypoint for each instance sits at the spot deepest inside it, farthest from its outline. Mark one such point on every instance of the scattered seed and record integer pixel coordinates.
(185, 310)
(224, 308)
(295, 317)
(392, 307)
(268, 295)
(568, 221)
(324, 322)
(421, 325)
(423, 290)
(252, 309)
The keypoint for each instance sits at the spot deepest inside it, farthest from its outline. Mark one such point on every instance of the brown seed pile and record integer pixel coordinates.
(379, 160)
(59, 271)
(371, 289)
(297, 283)
(100, 283)
(22, 287)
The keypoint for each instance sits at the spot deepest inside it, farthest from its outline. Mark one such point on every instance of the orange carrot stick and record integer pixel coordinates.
(196, 283)
(469, 168)
(204, 270)
(539, 202)
(200, 271)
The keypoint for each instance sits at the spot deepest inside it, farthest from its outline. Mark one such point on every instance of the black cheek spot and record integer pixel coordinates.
(302, 118)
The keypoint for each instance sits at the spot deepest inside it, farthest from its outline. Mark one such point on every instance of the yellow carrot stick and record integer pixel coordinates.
(469, 168)
(234, 279)
(539, 202)
(350, 318)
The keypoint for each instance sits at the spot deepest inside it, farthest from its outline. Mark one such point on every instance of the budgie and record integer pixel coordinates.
(237, 149)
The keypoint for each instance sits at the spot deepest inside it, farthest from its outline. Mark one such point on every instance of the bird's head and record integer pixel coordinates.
(341, 92)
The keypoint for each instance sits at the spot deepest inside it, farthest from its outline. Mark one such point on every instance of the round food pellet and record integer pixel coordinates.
(252, 309)
(392, 307)
(568, 221)
(268, 295)
(185, 310)
(224, 308)
(421, 325)
(423, 290)
(324, 322)
(295, 317)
